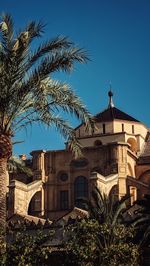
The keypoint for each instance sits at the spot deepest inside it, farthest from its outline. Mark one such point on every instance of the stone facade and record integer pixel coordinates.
(114, 159)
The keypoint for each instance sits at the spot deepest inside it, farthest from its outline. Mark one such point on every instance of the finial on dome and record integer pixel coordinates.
(110, 94)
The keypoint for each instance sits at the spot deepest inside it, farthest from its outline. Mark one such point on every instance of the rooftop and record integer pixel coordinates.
(112, 113)
(145, 155)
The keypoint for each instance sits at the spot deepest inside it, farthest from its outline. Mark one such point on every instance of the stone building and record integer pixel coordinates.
(116, 158)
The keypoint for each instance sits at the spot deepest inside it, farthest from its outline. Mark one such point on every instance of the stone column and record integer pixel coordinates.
(43, 200)
(122, 169)
(38, 164)
(39, 173)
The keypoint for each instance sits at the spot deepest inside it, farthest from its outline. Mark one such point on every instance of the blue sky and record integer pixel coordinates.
(116, 34)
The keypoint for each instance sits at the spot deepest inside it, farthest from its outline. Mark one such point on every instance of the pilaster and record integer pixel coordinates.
(122, 168)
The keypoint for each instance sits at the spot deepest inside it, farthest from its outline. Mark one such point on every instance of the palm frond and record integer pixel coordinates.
(7, 29)
(146, 237)
(49, 46)
(17, 142)
(16, 165)
(63, 60)
(35, 29)
(103, 208)
(28, 94)
(65, 130)
(63, 96)
(120, 208)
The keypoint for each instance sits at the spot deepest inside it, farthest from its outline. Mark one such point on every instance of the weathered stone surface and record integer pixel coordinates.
(113, 160)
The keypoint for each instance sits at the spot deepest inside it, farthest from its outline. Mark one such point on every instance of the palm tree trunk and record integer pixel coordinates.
(5, 153)
(3, 188)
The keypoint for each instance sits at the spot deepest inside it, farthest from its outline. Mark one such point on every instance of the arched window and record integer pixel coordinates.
(133, 194)
(133, 144)
(80, 191)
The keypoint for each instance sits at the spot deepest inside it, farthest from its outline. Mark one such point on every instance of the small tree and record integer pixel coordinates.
(141, 222)
(17, 167)
(26, 247)
(103, 239)
(2, 248)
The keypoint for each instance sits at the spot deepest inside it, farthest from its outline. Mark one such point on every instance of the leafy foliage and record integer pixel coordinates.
(25, 248)
(2, 247)
(116, 245)
(82, 241)
(141, 221)
(28, 92)
(95, 244)
(16, 165)
(105, 208)
(103, 239)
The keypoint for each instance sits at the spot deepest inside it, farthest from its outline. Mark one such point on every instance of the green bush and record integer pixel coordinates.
(95, 244)
(24, 248)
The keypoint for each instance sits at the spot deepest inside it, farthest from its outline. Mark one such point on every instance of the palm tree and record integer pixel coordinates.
(103, 239)
(115, 240)
(17, 166)
(105, 209)
(141, 220)
(28, 92)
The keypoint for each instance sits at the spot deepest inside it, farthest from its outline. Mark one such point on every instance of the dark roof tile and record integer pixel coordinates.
(113, 113)
(146, 150)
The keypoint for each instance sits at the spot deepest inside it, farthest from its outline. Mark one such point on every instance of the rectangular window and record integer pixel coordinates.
(64, 200)
(133, 194)
(132, 129)
(122, 127)
(104, 129)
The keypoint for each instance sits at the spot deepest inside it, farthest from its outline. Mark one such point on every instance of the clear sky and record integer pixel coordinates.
(116, 34)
